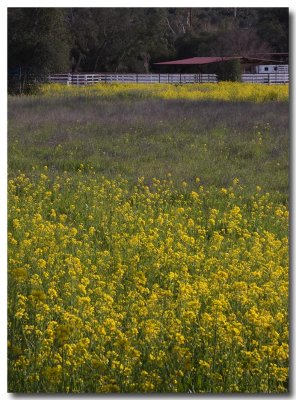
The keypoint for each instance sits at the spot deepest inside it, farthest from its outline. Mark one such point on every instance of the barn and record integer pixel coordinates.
(249, 64)
(261, 68)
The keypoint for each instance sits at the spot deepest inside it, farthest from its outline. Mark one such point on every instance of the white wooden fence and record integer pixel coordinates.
(86, 79)
(271, 78)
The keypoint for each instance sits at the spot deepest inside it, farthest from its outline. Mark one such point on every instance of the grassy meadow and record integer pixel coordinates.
(215, 140)
(148, 239)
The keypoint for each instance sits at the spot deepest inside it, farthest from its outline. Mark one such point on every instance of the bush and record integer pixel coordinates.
(28, 84)
(230, 71)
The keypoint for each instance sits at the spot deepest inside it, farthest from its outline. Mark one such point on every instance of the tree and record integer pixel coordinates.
(118, 39)
(273, 28)
(151, 41)
(194, 45)
(239, 42)
(51, 40)
(38, 44)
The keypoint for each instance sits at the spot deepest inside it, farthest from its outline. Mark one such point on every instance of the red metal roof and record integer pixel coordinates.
(209, 60)
(198, 60)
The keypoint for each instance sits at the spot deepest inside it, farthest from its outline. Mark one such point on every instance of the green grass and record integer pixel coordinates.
(215, 141)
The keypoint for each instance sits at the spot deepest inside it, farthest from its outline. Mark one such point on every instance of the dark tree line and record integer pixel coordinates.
(51, 40)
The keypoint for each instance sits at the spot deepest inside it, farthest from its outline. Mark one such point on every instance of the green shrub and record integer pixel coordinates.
(230, 71)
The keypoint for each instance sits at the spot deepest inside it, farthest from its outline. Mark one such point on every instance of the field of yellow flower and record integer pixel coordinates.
(173, 283)
(116, 287)
(223, 91)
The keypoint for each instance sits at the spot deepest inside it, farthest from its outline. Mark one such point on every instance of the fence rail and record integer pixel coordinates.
(271, 78)
(87, 79)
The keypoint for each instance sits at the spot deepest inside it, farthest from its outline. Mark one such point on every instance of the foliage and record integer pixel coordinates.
(43, 40)
(38, 43)
(153, 288)
(273, 27)
(230, 71)
(190, 45)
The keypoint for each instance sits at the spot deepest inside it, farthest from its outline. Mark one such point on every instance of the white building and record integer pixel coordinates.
(272, 69)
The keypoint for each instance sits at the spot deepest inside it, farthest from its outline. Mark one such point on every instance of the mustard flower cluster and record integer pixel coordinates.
(145, 287)
(223, 91)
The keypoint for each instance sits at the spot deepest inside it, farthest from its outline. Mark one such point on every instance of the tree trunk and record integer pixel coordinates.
(99, 53)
